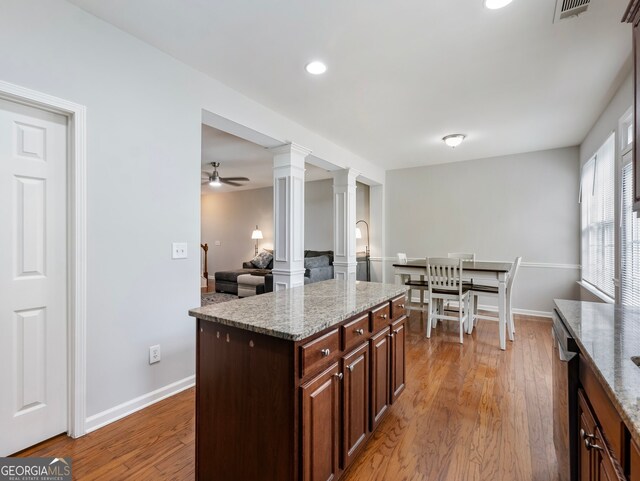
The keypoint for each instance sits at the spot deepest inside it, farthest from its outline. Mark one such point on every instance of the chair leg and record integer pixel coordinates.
(510, 323)
(429, 317)
(460, 321)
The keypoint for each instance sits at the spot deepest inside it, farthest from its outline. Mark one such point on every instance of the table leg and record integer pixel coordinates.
(502, 314)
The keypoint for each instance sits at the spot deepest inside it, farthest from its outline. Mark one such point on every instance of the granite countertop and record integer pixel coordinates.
(609, 335)
(298, 313)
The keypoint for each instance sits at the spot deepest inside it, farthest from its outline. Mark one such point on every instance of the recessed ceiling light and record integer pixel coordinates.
(495, 4)
(316, 68)
(453, 140)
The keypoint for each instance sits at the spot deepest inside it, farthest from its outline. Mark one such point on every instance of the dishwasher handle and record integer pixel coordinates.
(565, 356)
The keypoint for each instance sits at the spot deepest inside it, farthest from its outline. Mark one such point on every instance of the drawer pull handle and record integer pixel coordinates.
(325, 352)
(339, 376)
(589, 443)
(359, 332)
(383, 316)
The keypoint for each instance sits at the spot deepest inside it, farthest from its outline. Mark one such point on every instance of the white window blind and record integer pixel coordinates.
(598, 226)
(630, 240)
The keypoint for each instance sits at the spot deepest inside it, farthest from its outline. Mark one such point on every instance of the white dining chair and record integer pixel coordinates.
(444, 278)
(419, 285)
(478, 290)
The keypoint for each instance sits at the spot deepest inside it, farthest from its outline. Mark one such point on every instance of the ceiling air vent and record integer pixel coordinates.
(570, 8)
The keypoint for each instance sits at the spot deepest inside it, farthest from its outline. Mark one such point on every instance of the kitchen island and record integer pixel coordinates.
(607, 408)
(290, 385)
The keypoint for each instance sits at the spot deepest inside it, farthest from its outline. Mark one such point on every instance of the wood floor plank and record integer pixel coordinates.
(470, 412)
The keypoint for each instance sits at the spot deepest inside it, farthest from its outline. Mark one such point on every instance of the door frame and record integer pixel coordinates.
(76, 243)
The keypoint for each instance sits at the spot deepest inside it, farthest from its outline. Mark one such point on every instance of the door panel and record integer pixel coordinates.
(33, 277)
(355, 401)
(380, 376)
(398, 344)
(320, 424)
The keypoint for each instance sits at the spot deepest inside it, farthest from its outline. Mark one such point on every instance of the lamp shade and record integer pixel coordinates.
(256, 234)
(358, 233)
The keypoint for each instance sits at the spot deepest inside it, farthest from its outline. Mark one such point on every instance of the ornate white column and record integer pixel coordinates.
(288, 213)
(344, 224)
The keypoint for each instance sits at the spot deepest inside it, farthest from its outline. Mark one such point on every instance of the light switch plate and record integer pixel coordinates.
(179, 250)
(218, 243)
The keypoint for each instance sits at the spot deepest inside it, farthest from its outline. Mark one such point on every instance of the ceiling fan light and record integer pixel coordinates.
(453, 140)
(214, 181)
(316, 67)
(496, 4)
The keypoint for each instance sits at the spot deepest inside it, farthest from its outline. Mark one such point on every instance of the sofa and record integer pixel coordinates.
(318, 267)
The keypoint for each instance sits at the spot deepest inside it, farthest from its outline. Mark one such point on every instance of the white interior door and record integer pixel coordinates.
(33, 276)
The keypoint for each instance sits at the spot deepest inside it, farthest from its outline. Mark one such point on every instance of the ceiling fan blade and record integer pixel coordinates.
(243, 179)
(228, 182)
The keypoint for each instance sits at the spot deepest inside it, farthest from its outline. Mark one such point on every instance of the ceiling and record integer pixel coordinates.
(401, 75)
(241, 158)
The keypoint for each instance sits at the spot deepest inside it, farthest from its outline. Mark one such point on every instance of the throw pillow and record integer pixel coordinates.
(262, 260)
(313, 262)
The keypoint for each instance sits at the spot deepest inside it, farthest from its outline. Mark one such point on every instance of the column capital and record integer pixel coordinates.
(290, 148)
(345, 176)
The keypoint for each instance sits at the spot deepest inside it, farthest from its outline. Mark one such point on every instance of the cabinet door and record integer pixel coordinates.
(608, 468)
(398, 343)
(588, 458)
(355, 406)
(320, 425)
(380, 375)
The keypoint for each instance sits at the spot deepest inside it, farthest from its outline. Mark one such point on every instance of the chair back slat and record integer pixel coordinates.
(444, 273)
(513, 271)
(402, 258)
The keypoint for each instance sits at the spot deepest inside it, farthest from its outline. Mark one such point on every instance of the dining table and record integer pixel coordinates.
(471, 271)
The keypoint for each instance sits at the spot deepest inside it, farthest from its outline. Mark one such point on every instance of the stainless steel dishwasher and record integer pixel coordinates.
(565, 399)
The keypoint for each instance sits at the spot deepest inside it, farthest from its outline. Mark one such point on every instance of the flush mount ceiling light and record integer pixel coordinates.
(316, 68)
(453, 140)
(496, 4)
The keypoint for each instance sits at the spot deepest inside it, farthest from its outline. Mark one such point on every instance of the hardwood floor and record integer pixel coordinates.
(470, 412)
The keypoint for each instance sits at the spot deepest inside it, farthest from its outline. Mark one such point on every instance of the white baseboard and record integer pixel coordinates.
(524, 312)
(129, 407)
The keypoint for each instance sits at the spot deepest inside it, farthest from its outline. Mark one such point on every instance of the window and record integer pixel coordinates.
(629, 239)
(598, 225)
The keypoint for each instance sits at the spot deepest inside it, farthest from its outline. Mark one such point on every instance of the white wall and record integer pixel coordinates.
(318, 215)
(602, 128)
(144, 112)
(519, 205)
(230, 218)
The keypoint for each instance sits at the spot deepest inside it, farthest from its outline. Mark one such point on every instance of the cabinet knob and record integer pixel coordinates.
(325, 352)
(359, 332)
(351, 368)
(585, 435)
(339, 376)
(401, 306)
(383, 316)
(390, 335)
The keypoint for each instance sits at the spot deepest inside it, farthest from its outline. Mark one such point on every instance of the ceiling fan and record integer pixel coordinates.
(214, 179)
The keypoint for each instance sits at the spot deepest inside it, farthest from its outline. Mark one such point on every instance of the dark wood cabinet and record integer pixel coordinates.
(355, 407)
(380, 375)
(398, 364)
(588, 461)
(596, 459)
(634, 462)
(281, 410)
(321, 425)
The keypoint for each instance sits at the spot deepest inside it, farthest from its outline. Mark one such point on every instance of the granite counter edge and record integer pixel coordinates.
(632, 426)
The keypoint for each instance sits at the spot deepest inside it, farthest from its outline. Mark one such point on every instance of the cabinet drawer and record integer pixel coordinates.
(398, 307)
(606, 415)
(380, 318)
(355, 331)
(318, 352)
